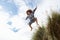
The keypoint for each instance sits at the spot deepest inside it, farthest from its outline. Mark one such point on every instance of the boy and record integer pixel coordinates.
(30, 16)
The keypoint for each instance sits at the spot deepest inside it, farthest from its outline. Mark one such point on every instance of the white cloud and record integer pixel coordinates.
(3, 16)
(0, 7)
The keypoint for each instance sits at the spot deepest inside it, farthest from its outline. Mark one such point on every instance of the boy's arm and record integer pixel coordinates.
(34, 10)
(26, 17)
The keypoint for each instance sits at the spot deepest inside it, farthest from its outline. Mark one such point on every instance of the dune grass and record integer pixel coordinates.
(38, 34)
(52, 31)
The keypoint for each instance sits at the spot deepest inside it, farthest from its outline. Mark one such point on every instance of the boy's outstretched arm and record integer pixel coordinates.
(34, 10)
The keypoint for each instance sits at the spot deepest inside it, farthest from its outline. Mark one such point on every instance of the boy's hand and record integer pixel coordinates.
(34, 9)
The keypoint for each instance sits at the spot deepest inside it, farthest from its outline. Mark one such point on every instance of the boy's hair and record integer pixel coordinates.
(29, 11)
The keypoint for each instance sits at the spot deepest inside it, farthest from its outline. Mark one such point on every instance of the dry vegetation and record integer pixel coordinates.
(52, 31)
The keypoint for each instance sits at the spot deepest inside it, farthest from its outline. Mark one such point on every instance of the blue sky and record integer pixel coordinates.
(9, 6)
(32, 3)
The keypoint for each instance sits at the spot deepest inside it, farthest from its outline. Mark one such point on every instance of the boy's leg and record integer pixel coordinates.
(30, 27)
(32, 21)
(36, 21)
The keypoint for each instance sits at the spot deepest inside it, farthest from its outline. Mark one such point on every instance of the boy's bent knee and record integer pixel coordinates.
(35, 19)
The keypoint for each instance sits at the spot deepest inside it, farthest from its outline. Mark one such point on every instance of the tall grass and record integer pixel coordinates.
(52, 31)
(38, 35)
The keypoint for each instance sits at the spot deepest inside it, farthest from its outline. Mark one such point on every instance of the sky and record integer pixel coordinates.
(13, 25)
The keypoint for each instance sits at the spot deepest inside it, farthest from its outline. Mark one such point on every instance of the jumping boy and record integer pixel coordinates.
(30, 16)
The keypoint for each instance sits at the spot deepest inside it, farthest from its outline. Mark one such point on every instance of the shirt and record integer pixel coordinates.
(31, 16)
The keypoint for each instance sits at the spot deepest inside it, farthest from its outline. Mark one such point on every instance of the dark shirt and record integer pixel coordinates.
(31, 16)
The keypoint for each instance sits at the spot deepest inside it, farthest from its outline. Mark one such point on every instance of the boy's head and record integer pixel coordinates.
(29, 12)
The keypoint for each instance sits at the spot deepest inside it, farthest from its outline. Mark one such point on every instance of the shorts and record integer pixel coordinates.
(32, 21)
